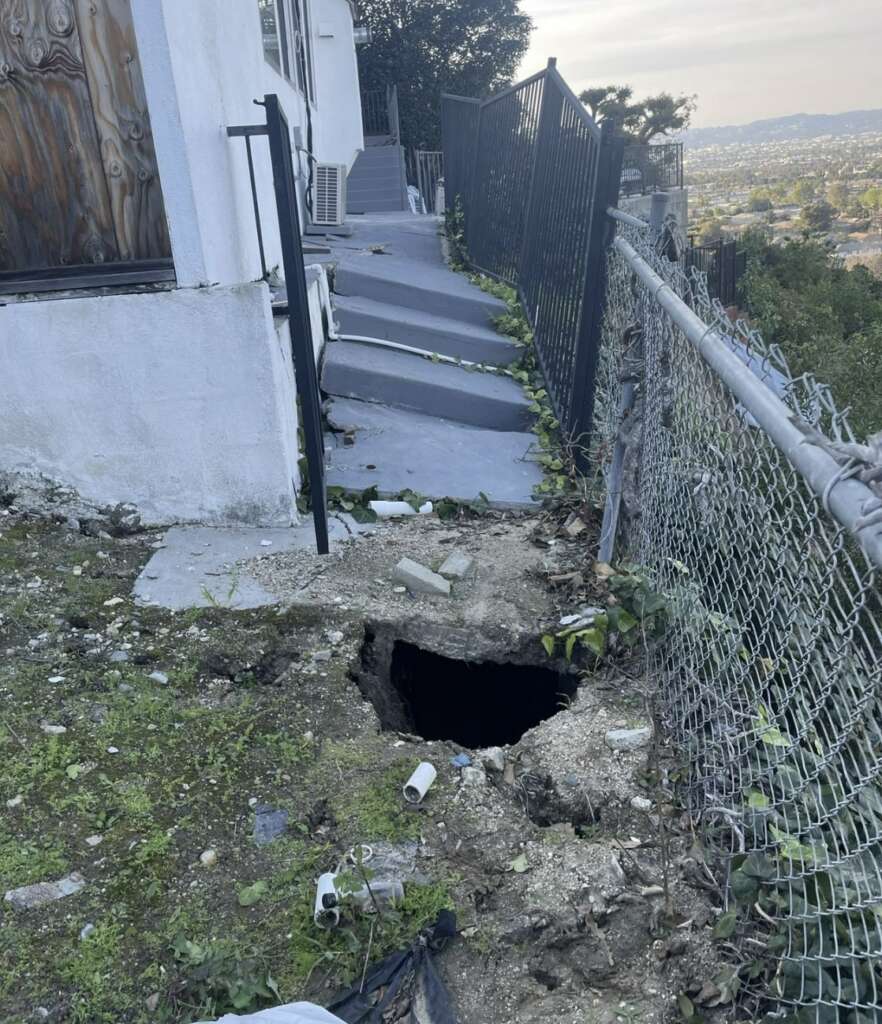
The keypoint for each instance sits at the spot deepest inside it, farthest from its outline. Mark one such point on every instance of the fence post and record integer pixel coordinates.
(607, 183)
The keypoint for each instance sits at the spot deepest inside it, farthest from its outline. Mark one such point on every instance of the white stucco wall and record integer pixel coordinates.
(180, 401)
(203, 66)
(340, 136)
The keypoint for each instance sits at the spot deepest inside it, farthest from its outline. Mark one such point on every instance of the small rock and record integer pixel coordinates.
(159, 677)
(322, 656)
(16, 801)
(94, 840)
(461, 761)
(457, 565)
(98, 713)
(113, 750)
(420, 580)
(53, 730)
(56, 679)
(30, 896)
(474, 777)
(119, 656)
(334, 636)
(125, 688)
(73, 523)
(399, 590)
(151, 1002)
(269, 824)
(86, 931)
(628, 739)
(113, 602)
(493, 759)
(641, 803)
(208, 858)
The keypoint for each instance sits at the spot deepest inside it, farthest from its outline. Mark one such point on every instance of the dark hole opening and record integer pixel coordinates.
(475, 704)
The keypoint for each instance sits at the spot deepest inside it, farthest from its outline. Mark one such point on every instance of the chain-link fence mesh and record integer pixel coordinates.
(770, 675)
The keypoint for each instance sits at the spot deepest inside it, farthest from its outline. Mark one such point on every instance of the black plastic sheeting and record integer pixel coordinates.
(405, 987)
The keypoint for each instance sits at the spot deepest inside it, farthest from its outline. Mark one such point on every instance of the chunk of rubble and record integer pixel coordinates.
(30, 896)
(628, 739)
(457, 565)
(420, 580)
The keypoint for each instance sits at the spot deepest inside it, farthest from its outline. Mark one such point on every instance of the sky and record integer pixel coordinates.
(746, 59)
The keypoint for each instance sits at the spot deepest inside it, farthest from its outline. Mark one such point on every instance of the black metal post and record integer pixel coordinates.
(606, 194)
(298, 313)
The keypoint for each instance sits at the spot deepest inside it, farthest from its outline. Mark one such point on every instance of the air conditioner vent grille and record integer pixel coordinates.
(329, 201)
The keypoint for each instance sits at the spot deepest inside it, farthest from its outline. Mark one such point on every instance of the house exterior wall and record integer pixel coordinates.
(181, 402)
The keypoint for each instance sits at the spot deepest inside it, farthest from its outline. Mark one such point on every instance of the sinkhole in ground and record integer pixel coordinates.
(473, 703)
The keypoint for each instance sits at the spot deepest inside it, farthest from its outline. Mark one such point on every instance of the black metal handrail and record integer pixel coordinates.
(652, 168)
(533, 175)
(297, 305)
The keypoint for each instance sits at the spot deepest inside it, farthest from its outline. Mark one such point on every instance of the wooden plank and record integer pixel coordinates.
(119, 102)
(54, 206)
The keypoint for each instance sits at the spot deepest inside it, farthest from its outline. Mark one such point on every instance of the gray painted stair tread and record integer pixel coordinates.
(423, 330)
(417, 284)
(376, 374)
(431, 456)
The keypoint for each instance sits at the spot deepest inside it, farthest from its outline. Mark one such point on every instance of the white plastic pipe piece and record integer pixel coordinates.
(326, 913)
(419, 783)
(391, 509)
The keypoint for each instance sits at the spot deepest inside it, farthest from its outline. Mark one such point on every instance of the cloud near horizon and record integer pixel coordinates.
(746, 59)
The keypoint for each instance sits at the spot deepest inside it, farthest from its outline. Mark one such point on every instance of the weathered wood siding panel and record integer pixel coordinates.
(119, 103)
(54, 207)
(79, 182)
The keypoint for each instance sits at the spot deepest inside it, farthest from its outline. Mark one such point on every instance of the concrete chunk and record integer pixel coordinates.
(628, 739)
(457, 565)
(30, 896)
(420, 580)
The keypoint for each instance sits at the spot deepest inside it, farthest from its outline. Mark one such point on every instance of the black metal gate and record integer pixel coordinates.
(308, 394)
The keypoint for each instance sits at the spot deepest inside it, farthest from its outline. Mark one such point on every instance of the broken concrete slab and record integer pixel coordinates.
(457, 565)
(29, 896)
(420, 580)
(197, 566)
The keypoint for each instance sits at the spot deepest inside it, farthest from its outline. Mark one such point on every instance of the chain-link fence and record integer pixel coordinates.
(770, 674)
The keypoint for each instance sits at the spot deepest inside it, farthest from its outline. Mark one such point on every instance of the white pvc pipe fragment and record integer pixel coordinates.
(419, 783)
(845, 499)
(326, 913)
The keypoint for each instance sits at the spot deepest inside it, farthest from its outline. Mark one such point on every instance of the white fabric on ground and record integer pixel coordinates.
(293, 1013)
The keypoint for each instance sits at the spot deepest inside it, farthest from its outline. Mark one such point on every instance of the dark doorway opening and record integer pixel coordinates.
(475, 704)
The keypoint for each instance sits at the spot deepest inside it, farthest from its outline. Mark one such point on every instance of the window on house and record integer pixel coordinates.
(286, 40)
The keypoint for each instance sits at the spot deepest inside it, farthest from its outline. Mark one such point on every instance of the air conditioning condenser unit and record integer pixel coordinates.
(329, 195)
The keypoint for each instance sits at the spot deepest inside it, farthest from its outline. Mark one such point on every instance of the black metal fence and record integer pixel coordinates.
(533, 175)
(652, 168)
(379, 113)
(724, 266)
(425, 171)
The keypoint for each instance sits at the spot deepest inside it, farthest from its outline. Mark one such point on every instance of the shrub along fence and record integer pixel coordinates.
(533, 175)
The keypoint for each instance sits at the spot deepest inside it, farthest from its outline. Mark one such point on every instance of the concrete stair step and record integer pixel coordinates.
(416, 284)
(369, 319)
(375, 205)
(372, 373)
(397, 450)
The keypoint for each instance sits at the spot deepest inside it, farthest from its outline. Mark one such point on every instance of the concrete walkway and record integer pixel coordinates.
(427, 421)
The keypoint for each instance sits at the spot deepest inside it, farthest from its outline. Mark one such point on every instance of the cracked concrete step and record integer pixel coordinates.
(454, 338)
(372, 373)
(416, 284)
(397, 450)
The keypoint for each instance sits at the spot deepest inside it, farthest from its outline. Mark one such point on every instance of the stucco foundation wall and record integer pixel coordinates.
(181, 402)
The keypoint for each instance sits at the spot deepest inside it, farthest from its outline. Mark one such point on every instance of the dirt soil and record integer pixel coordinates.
(138, 747)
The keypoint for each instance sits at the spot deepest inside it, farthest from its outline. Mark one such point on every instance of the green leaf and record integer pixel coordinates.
(73, 771)
(594, 639)
(549, 643)
(570, 644)
(725, 926)
(687, 1007)
(253, 894)
(757, 801)
(519, 865)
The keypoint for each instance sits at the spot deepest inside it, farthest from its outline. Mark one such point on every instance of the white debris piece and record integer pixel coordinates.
(420, 580)
(457, 565)
(29, 896)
